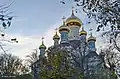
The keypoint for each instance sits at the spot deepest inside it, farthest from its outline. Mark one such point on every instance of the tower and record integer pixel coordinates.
(64, 30)
(42, 49)
(56, 39)
(91, 43)
(74, 24)
(83, 35)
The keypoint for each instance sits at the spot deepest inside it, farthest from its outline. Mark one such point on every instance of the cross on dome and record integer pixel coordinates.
(56, 30)
(63, 18)
(90, 31)
(42, 39)
(73, 9)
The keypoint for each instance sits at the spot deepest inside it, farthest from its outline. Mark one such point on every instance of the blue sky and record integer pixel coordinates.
(36, 15)
(36, 18)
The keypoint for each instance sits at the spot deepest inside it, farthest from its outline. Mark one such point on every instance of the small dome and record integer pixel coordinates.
(91, 38)
(56, 36)
(73, 20)
(64, 28)
(83, 32)
(42, 46)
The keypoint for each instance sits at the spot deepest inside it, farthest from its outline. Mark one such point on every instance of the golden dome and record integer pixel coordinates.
(73, 20)
(42, 46)
(83, 32)
(91, 38)
(64, 28)
(56, 36)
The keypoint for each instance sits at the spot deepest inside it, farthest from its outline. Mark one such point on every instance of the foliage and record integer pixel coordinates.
(58, 66)
(32, 57)
(112, 39)
(111, 61)
(105, 12)
(5, 19)
(11, 65)
(25, 76)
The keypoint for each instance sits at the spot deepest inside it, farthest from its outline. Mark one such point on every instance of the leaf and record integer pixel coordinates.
(2, 35)
(98, 29)
(4, 25)
(10, 18)
(62, 2)
(14, 39)
(78, 4)
(9, 23)
(2, 19)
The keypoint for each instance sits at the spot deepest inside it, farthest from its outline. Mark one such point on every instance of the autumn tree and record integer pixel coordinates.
(11, 65)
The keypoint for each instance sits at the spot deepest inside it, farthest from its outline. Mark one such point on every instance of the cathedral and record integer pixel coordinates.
(81, 47)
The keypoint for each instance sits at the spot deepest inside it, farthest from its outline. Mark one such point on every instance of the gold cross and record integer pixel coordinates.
(73, 9)
(42, 38)
(56, 29)
(63, 18)
(90, 31)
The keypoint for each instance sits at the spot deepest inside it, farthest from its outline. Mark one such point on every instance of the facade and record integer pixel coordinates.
(82, 49)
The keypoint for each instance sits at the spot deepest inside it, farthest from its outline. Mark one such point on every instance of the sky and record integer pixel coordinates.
(35, 19)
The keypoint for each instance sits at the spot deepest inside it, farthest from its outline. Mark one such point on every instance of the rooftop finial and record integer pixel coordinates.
(56, 30)
(63, 19)
(72, 10)
(90, 31)
(82, 28)
(42, 39)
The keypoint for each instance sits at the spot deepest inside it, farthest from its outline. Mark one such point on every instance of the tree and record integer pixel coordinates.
(5, 18)
(5, 22)
(58, 65)
(112, 39)
(24, 76)
(11, 65)
(32, 57)
(104, 12)
(111, 61)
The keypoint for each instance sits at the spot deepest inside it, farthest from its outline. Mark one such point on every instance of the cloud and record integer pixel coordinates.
(26, 44)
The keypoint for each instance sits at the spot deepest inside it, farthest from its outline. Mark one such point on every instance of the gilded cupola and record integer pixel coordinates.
(73, 20)
(42, 46)
(83, 32)
(91, 38)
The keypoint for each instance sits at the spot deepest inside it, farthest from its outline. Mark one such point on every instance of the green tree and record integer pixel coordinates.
(58, 65)
(24, 76)
(11, 65)
(104, 12)
(111, 61)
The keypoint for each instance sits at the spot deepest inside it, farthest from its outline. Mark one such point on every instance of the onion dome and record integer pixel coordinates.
(91, 38)
(83, 32)
(56, 36)
(42, 46)
(64, 27)
(73, 20)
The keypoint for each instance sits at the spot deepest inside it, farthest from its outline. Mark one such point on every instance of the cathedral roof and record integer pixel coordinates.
(73, 20)
(56, 36)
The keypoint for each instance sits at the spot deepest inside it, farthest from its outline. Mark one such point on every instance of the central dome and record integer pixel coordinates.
(73, 20)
